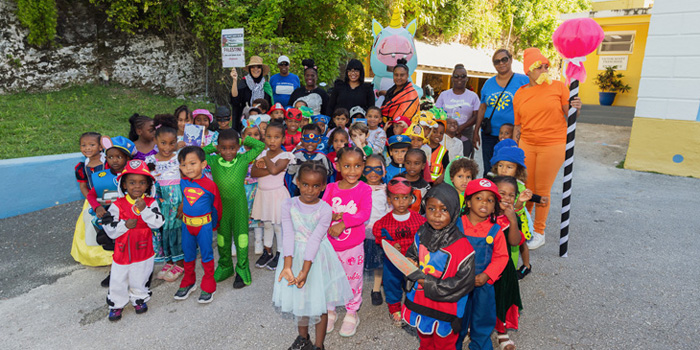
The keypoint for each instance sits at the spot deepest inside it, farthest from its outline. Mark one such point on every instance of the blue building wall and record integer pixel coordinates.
(34, 183)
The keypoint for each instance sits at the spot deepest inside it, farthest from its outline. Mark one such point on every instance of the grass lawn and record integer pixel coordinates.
(35, 124)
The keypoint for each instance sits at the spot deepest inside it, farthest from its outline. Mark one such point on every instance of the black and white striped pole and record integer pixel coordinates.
(568, 172)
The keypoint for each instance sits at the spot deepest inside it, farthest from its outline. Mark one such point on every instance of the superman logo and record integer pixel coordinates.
(193, 194)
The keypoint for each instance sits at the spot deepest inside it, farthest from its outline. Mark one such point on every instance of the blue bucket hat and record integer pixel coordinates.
(510, 154)
(504, 143)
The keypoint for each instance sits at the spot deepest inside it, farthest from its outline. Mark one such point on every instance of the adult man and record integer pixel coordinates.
(283, 83)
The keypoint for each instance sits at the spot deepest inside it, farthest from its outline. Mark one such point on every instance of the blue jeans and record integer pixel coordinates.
(488, 142)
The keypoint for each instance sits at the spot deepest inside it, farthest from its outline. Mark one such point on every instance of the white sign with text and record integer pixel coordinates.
(232, 48)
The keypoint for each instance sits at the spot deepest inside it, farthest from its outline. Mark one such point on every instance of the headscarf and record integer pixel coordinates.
(434, 239)
(256, 86)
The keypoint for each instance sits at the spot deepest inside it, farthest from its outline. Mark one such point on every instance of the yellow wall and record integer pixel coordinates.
(589, 90)
(664, 145)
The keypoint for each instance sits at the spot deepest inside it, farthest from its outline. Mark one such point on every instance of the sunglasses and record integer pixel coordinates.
(503, 60)
(462, 76)
(283, 64)
(394, 182)
(312, 138)
(376, 169)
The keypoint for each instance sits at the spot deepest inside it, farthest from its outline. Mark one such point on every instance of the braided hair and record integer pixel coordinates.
(314, 166)
(137, 122)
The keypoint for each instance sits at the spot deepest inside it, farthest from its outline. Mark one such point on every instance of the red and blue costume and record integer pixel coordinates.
(201, 211)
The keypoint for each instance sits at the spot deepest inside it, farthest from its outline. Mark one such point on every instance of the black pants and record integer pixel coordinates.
(488, 142)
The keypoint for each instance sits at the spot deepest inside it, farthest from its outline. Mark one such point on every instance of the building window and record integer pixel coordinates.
(617, 43)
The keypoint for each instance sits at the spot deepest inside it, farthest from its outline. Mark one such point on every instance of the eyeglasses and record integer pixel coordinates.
(461, 76)
(312, 138)
(376, 169)
(503, 60)
(283, 64)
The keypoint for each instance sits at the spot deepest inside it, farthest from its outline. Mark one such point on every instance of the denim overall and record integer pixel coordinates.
(480, 312)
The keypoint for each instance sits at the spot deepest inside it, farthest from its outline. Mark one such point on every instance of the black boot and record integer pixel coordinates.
(105, 282)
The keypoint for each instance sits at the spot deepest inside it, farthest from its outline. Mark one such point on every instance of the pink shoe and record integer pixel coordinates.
(349, 326)
(174, 273)
(161, 274)
(332, 317)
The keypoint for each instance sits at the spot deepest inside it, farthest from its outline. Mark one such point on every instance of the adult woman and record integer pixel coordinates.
(353, 91)
(541, 109)
(401, 99)
(315, 97)
(252, 87)
(496, 104)
(461, 104)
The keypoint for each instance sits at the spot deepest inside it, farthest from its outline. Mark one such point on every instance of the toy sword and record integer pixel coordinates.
(402, 263)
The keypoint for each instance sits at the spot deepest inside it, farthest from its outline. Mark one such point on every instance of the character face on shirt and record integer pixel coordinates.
(192, 166)
(373, 118)
(116, 159)
(90, 145)
(506, 168)
(436, 213)
(228, 149)
(506, 132)
(135, 184)
(481, 204)
(460, 179)
(167, 144)
(311, 184)
(398, 155)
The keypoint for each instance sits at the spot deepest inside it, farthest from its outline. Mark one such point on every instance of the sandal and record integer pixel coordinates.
(349, 326)
(174, 273)
(523, 271)
(161, 274)
(396, 317)
(504, 341)
(332, 317)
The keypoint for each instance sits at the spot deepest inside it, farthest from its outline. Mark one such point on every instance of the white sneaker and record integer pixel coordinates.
(536, 241)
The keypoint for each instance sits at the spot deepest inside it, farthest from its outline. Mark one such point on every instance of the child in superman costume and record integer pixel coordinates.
(229, 170)
(201, 210)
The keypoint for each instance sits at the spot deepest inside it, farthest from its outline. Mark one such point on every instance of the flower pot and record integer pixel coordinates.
(606, 98)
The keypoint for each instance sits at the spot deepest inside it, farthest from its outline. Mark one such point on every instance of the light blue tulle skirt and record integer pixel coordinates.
(326, 285)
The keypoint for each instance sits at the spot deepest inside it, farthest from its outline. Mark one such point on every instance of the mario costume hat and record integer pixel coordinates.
(258, 61)
(399, 141)
(401, 119)
(320, 118)
(137, 167)
(277, 107)
(399, 185)
(294, 114)
(479, 185)
(119, 142)
(197, 112)
(510, 154)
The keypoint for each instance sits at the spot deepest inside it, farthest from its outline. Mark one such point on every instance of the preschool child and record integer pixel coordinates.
(251, 185)
(321, 121)
(135, 213)
(419, 137)
(222, 115)
(201, 210)
(357, 112)
(339, 120)
(397, 228)
(507, 290)
(398, 146)
(312, 278)
(84, 248)
(506, 132)
(118, 151)
(270, 168)
(292, 136)
(458, 174)
(397, 126)
(485, 231)
(452, 141)
(359, 132)
(277, 112)
(374, 173)
(415, 163)
(436, 302)
(167, 242)
(204, 118)
(229, 170)
(184, 117)
(339, 138)
(439, 155)
(310, 138)
(142, 133)
(377, 136)
(351, 201)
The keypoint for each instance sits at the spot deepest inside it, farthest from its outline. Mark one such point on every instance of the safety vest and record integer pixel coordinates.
(436, 167)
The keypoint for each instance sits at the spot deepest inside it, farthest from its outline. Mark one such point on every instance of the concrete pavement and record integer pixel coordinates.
(630, 281)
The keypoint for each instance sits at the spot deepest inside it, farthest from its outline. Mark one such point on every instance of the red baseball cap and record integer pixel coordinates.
(400, 118)
(479, 185)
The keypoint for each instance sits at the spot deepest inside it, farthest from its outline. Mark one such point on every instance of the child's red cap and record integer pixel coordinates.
(479, 185)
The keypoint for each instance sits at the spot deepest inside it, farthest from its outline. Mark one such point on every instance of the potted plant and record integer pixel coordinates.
(610, 83)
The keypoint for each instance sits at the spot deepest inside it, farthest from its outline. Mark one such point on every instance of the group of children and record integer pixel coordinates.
(326, 192)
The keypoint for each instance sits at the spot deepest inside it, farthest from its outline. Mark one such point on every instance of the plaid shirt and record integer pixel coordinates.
(394, 231)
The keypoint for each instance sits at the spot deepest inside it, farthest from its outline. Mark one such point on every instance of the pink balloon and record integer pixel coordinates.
(575, 39)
